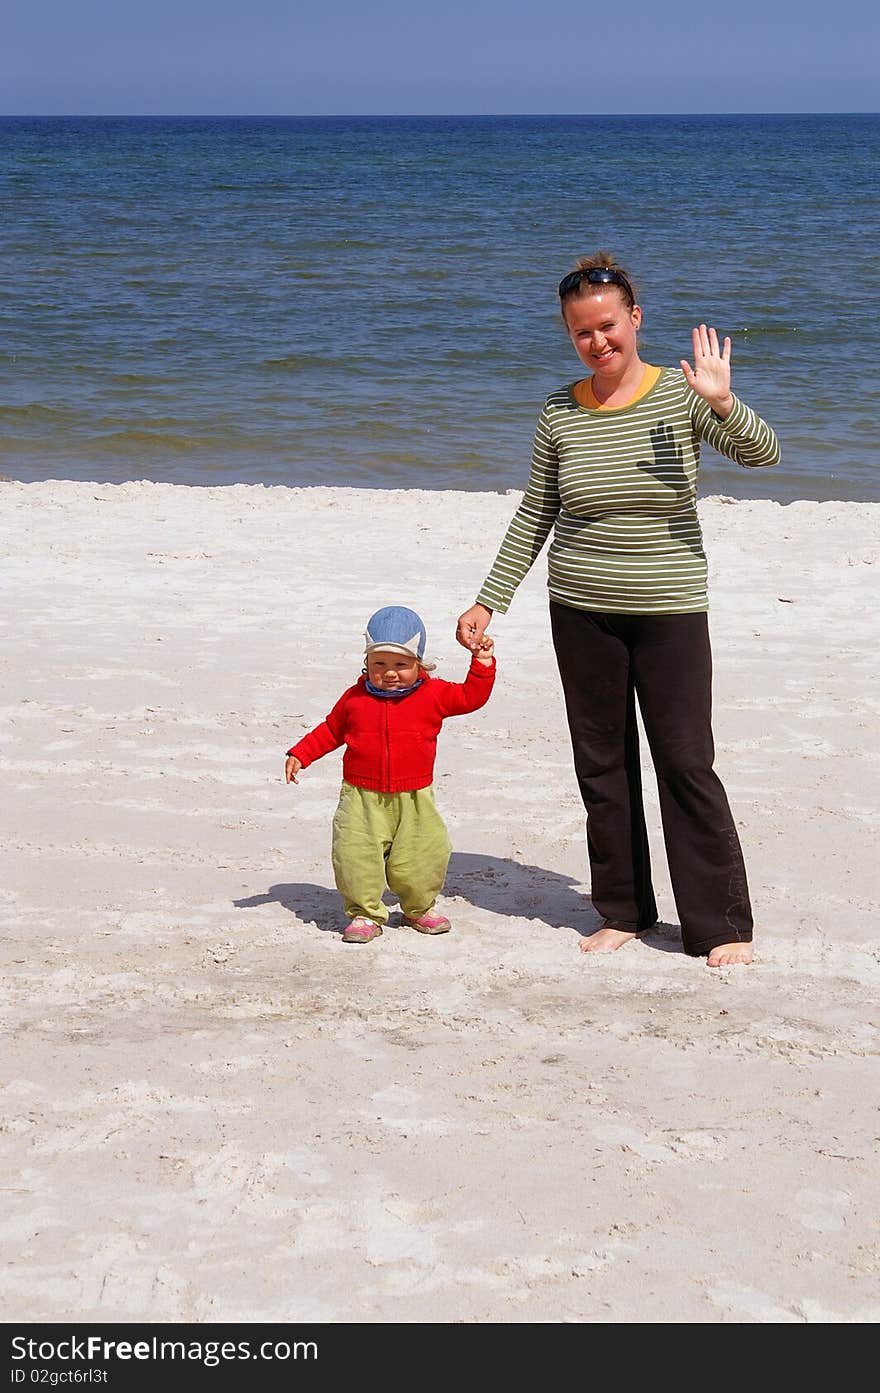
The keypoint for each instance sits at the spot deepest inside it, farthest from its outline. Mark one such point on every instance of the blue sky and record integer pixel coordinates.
(473, 56)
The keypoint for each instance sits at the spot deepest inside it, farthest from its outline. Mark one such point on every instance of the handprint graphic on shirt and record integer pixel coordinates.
(668, 468)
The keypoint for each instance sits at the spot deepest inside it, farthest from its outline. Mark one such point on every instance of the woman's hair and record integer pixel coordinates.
(579, 283)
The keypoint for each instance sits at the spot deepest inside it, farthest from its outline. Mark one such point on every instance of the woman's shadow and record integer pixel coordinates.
(495, 883)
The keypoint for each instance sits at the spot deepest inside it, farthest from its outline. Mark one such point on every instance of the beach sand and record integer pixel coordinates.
(214, 1110)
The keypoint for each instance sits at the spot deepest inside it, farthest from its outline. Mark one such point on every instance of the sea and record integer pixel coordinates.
(371, 301)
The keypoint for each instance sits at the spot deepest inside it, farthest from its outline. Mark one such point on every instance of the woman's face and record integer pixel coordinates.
(604, 331)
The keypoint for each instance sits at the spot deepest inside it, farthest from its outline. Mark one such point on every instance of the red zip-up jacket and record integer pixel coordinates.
(391, 743)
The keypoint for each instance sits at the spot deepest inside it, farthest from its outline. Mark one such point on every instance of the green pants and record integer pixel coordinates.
(397, 840)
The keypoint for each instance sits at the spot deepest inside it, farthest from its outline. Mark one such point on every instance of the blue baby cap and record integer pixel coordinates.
(397, 630)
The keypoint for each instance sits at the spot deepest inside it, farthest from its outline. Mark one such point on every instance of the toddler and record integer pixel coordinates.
(387, 830)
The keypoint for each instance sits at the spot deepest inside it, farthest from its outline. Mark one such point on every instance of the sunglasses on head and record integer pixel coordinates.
(595, 275)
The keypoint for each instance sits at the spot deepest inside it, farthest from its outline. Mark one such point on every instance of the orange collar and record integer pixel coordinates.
(585, 396)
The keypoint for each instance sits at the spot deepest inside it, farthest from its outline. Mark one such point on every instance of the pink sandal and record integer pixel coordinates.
(428, 923)
(361, 930)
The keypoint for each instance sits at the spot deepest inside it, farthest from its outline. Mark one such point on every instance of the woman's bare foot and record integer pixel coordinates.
(723, 954)
(606, 940)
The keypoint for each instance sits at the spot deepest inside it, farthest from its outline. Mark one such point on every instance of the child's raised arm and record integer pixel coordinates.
(460, 698)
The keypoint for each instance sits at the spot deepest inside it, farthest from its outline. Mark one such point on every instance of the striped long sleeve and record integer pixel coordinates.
(618, 490)
(530, 525)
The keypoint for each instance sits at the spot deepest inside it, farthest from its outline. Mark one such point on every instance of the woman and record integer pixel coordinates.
(614, 472)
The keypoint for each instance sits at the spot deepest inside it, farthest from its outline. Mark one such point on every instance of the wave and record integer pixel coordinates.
(129, 441)
(304, 362)
(755, 331)
(34, 412)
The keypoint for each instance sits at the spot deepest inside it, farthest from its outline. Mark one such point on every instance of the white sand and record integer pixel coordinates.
(215, 1110)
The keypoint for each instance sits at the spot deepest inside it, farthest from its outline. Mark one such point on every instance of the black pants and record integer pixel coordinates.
(605, 661)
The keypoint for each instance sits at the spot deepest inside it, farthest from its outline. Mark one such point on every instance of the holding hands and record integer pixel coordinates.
(471, 627)
(710, 375)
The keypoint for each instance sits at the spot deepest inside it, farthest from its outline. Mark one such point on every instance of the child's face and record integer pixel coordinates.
(388, 670)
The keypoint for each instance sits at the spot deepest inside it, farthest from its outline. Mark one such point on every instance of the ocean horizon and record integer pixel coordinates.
(370, 301)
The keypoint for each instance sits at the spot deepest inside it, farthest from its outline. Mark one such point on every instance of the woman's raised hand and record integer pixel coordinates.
(710, 375)
(472, 625)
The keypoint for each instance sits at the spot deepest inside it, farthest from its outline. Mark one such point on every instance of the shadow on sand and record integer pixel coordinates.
(494, 883)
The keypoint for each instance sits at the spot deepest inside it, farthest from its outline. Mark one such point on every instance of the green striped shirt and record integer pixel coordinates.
(619, 488)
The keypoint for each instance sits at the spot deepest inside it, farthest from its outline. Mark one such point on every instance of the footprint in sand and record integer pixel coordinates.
(664, 1146)
(823, 1211)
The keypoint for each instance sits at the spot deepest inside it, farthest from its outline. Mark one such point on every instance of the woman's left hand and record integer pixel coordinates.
(710, 375)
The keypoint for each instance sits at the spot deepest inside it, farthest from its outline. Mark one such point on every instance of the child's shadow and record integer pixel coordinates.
(496, 883)
(313, 904)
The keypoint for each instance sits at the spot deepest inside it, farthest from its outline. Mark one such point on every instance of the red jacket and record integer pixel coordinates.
(391, 744)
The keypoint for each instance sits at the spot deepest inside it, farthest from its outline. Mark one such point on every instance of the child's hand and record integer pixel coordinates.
(292, 767)
(484, 653)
